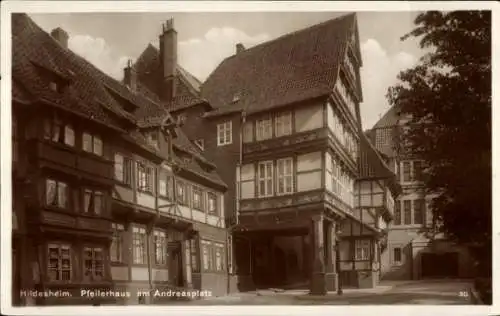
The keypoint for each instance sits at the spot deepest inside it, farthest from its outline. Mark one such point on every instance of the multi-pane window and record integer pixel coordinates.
(139, 239)
(218, 258)
(283, 124)
(342, 183)
(92, 144)
(285, 176)
(59, 262)
(212, 203)
(165, 184)
(207, 258)
(265, 175)
(194, 255)
(264, 128)
(343, 134)
(346, 95)
(197, 198)
(145, 178)
(397, 255)
(406, 171)
(397, 213)
(56, 193)
(382, 137)
(93, 202)
(58, 132)
(225, 133)
(407, 211)
(362, 249)
(117, 243)
(160, 243)
(418, 211)
(213, 255)
(123, 169)
(93, 263)
(182, 196)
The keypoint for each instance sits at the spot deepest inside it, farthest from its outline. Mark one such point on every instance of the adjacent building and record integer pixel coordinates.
(108, 192)
(413, 249)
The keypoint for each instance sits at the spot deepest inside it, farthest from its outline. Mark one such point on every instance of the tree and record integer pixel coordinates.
(448, 97)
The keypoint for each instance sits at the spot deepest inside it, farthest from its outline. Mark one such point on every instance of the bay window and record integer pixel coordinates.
(265, 178)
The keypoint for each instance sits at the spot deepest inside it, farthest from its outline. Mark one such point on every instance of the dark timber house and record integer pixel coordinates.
(108, 192)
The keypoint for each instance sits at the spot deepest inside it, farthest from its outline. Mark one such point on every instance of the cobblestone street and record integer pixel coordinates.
(439, 292)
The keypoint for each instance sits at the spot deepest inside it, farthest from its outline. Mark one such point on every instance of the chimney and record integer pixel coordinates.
(239, 48)
(168, 60)
(61, 36)
(130, 76)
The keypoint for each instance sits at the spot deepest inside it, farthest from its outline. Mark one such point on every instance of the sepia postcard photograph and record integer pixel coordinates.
(198, 156)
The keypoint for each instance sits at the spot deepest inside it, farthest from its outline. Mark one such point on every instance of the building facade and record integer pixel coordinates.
(109, 195)
(413, 248)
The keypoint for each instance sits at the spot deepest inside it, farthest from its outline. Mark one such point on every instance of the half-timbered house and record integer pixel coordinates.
(108, 192)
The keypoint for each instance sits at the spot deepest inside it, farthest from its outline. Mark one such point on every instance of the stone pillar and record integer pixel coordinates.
(331, 273)
(317, 285)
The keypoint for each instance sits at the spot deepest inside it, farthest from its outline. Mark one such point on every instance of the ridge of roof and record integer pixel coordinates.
(389, 119)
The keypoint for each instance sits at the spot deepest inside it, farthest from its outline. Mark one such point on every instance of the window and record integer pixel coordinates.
(407, 211)
(397, 255)
(264, 129)
(181, 192)
(123, 169)
(285, 176)
(397, 213)
(406, 171)
(212, 204)
(362, 249)
(55, 131)
(265, 178)
(207, 258)
(382, 137)
(117, 243)
(417, 171)
(139, 245)
(93, 202)
(145, 178)
(56, 193)
(160, 242)
(59, 265)
(197, 198)
(283, 124)
(248, 132)
(225, 133)
(418, 211)
(200, 143)
(218, 258)
(93, 263)
(165, 181)
(92, 144)
(152, 139)
(194, 255)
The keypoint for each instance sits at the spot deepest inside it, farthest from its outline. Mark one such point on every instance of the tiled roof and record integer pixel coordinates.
(150, 78)
(292, 68)
(372, 165)
(90, 93)
(390, 119)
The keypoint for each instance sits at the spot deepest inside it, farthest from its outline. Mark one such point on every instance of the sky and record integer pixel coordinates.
(108, 40)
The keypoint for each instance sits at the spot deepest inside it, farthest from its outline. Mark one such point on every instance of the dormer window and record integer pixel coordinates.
(236, 97)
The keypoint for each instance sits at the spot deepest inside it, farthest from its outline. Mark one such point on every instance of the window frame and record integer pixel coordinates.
(200, 205)
(283, 124)
(126, 169)
(225, 133)
(263, 125)
(394, 261)
(286, 178)
(365, 254)
(215, 210)
(139, 245)
(160, 243)
(57, 198)
(60, 258)
(93, 263)
(117, 243)
(92, 201)
(268, 180)
(146, 174)
(94, 141)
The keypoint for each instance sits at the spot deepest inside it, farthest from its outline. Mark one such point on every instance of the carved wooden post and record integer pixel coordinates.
(318, 286)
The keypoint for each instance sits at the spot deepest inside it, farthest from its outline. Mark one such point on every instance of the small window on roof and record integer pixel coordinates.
(236, 97)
